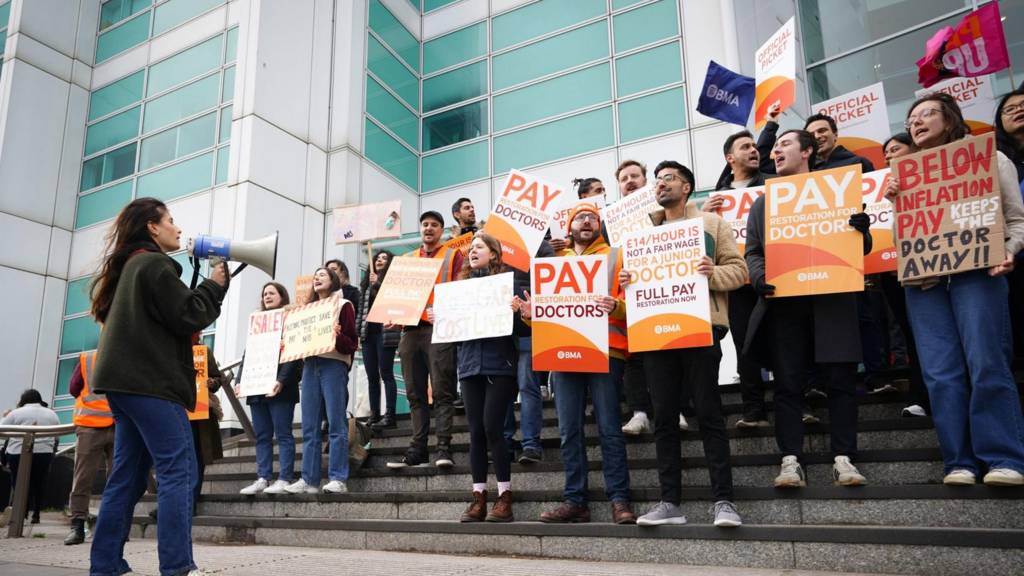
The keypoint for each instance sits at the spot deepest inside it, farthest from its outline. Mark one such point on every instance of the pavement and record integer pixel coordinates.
(42, 553)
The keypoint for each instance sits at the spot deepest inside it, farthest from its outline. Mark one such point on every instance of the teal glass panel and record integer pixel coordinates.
(645, 25)
(455, 86)
(391, 72)
(455, 166)
(178, 179)
(540, 18)
(174, 12)
(5, 13)
(650, 115)
(394, 34)
(209, 339)
(186, 271)
(231, 50)
(558, 53)
(552, 97)
(429, 5)
(79, 334)
(113, 130)
(102, 205)
(225, 124)
(117, 95)
(387, 110)
(617, 4)
(190, 63)
(63, 403)
(65, 368)
(228, 92)
(181, 103)
(648, 69)
(3, 41)
(76, 300)
(463, 123)
(112, 12)
(128, 35)
(108, 167)
(554, 140)
(223, 154)
(458, 46)
(387, 153)
(179, 141)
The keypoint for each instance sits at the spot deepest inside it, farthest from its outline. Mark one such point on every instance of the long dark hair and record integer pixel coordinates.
(380, 273)
(1013, 149)
(495, 266)
(130, 233)
(31, 396)
(956, 127)
(335, 284)
(281, 291)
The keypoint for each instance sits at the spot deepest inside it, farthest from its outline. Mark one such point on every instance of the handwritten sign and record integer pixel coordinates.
(570, 332)
(862, 119)
(630, 214)
(522, 216)
(201, 363)
(405, 290)
(309, 329)
(775, 72)
(472, 309)
(949, 214)
(262, 352)
(362, 222)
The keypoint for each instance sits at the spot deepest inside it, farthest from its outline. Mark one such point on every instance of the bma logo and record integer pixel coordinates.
(570, 355)
(717, 93)
(808, 276)
(889, 255)
(667, 328)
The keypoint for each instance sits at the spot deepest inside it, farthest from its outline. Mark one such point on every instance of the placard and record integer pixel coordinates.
(668, 303)
(405, 290)
(309, 329)
(863, 121)
(735, 210)
(630, 214)
(975, 97)
(303, 290)
(775, 72)
(362, 222)
(810, 247)
(522, 215)
(560, 222)
(949, 214)
(262, 352)
(201, 363)
(472, 309)
(460, 243)
(570, 331)
(883, 251)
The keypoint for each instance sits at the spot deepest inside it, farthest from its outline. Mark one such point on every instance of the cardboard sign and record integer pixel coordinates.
(883, 251)
(570, 332)
(775, 72)
(810, 247)
(736, 209)
(405, 290)
(949, 213)
(560, 223)
(200, 361)
(522, 215)
(303, 289)
(362, 222)
(975, 97)
(309, 329)
(668, 304)
(472, 309)
(262, 352)
(863, 121)
(460, 243)
(630, 214)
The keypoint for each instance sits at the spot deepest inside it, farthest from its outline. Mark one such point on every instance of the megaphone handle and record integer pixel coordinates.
(239, 269)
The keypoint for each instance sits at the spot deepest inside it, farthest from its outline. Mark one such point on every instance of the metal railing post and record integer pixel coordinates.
(236, 405)
(19, 504)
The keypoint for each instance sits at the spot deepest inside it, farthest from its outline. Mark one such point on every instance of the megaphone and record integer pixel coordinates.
(260, 253)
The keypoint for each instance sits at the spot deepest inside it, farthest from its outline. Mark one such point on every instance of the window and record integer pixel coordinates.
(111, 166)
(114, 130)
(540, 18)
(654, 114)
(5, 13)
(223, 154)
(185, 65)
(231, 51)
(178, 142)
(559, 139)
(389, 154)
(181, 103)
(115, 11)
(455, 86)
(102, 205)
(178, 179)
(391, 72)
(645, 25)
(547, 56)
(455, 166)
(79, 334)
(125, 91)
(174, 12)
(648, 69)
(387, 110)
(455, 47)
(394, 34)
(65, 368)
(429, 5)
(225, 124)
(453, 126)
(125, 36)
(617, 4)
(228, 91)
(76, 300)
(552, 97)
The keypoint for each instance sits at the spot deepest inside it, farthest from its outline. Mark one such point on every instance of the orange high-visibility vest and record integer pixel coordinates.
(91, 410)
(445, 274)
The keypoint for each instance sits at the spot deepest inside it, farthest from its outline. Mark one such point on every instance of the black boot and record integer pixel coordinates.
(386, 421)
(77, 534)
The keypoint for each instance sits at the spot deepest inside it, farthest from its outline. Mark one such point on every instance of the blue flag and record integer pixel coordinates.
(727, 96)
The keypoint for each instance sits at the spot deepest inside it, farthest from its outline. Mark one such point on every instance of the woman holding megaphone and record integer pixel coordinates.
(144, 366)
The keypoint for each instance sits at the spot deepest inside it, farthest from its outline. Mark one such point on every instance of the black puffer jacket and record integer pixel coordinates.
(488, 356)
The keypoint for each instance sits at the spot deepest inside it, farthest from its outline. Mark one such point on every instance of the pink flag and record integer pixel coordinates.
(975, 47)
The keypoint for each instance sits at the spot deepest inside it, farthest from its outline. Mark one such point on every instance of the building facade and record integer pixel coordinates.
(255, 116)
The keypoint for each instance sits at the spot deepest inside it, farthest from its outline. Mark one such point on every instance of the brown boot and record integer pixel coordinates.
(477, 508)
(502, 511)
(622, 513)
(567, 512)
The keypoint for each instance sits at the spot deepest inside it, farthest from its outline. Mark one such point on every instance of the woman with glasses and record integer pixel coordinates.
(961, 323)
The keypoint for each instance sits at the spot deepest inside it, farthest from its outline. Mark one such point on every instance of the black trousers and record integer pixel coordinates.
(793, 357)
(690, 373)
(897, 300)
(741, 304)
(486, 399)
(36, 480)
(421, 359)
(634, 385)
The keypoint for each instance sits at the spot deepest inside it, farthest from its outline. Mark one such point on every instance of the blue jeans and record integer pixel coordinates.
(531, 407)
(570, 403)
(272, 418)
(324, 383)
(148, 432)
(964, 342)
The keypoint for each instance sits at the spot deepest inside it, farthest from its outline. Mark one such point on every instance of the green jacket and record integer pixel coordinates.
(146, 343)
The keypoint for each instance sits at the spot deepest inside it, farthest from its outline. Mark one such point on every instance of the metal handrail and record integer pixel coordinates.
(13, 431)
(28, 434)
(236, 405)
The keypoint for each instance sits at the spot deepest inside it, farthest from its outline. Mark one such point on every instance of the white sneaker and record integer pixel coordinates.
(637, 425)
(683, 425)
(277, 487)
(809, 418)
(912, 411)
(1003, 477)
(959, 477)
(545, 393)
(791, 475)
(335, 487)
(255, 488)
(300, 487)
(844, 473)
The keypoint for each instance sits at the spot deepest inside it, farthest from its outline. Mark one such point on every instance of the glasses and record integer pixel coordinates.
(584, 217)
(669, 178)
(922, 115)
(1012, 109)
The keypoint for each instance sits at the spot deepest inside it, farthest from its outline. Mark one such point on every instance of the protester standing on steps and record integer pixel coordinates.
(144, 366)
(1010, 139)
(487, 373)
(32, 411)
(325, 387)
(274, 413)
(379, 347)
(962, 327)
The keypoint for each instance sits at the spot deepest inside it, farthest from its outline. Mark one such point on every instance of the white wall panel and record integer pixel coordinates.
(48, 342)
(313, 239)
(40, 55)
(71, 158)
(192, 215)
(675, 147)
(479, 193)
(707, 153)
(18, 347)
(452, 17)
(705, 38)
(119, 66)
(600, 165)
(344, 172)
(282, 75)
(51, 22)
(316, 177)
(276, 159)
(60, 253)
(320, 74)
(24, 244)
(378, 187)
(86, 250)
(88, 23)
(349, 61)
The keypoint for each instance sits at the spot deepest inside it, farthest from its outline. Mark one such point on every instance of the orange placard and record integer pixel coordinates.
(883, 251)
(810, 247)
(522, 215)
(735, 210)
(460, 243)
(404, 293)
(200, 359)
(775, 72)
(303, 289)
(570, 332)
